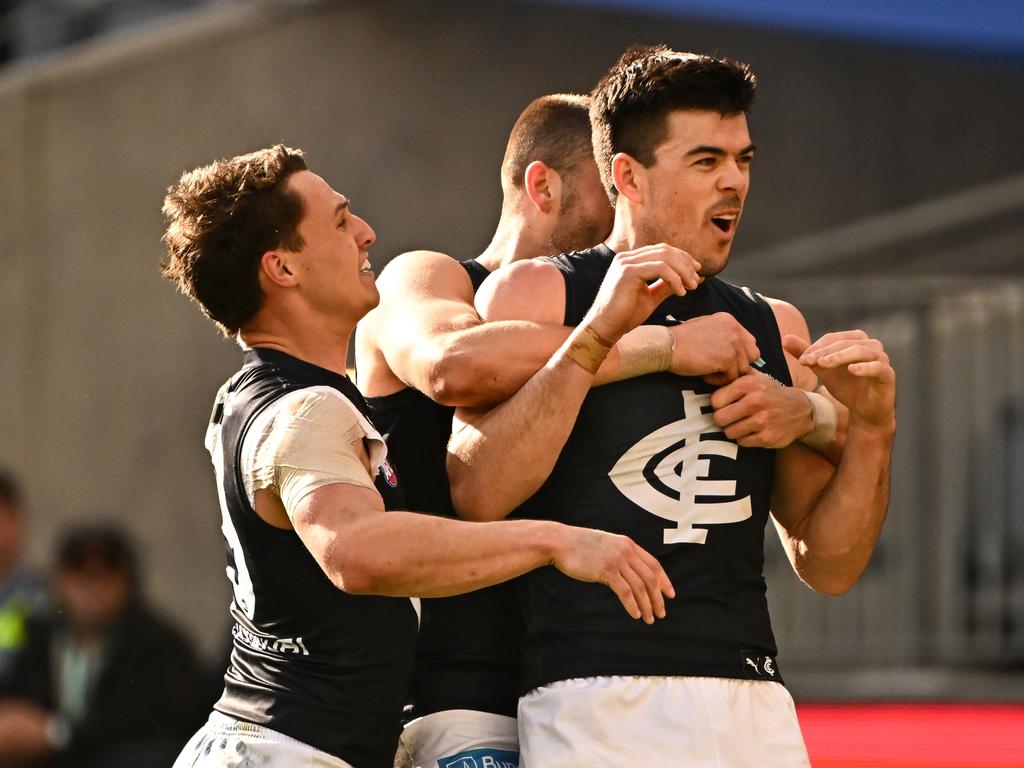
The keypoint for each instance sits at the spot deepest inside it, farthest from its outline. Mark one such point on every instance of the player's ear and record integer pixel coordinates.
(277, 267)
(629, 177)
(542, 185)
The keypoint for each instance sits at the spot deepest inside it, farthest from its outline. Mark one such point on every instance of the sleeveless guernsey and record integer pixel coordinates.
(308, 660)
(468, 651)
(646, 460)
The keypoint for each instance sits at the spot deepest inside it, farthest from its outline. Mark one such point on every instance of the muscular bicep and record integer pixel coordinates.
(434, 340)
(324, 517)
(791, 322)
(526, 290)
(424, 296)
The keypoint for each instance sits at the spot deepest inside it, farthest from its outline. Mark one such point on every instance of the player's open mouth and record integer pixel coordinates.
(724, 221)
(365, 266)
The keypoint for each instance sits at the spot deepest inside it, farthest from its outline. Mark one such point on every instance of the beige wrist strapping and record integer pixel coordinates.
(646, 349)
(826, 420)
(587, 349)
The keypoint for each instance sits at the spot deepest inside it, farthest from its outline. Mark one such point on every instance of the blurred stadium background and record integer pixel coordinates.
(888, 194)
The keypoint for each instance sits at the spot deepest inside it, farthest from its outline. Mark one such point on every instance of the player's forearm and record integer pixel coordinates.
(500, 459)
(489, 363)
(406, 554)
(832, 448)
(842, 529)
(644, 349)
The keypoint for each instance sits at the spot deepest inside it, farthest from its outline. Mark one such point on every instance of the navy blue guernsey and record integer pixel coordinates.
(467, 656)
(646, 460)
(308, 660)
(477, 272)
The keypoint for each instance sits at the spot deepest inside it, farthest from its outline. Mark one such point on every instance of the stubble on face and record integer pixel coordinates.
(575, 229)
(585, 216)
(700, 170)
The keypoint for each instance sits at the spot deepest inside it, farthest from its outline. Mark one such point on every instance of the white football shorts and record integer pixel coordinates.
(225, 742)
(461, 738)
(660, 722)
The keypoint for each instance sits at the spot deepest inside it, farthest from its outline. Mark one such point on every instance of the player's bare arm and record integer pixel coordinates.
(312, 471)
(527, 432)
(756, 412)
(365, 550)
(425, 333)
(829, 518)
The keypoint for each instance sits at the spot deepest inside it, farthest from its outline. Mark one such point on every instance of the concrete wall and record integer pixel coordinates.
(107, 376)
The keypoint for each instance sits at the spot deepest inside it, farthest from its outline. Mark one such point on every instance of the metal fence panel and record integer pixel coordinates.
(946, 584)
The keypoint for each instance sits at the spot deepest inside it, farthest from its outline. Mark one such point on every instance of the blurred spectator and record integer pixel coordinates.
(22, 589)
(106, 684)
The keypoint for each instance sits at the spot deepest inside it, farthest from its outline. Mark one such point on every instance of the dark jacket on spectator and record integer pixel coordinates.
(148, 696)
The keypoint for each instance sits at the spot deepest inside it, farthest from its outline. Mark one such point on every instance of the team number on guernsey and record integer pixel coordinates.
(667, 471)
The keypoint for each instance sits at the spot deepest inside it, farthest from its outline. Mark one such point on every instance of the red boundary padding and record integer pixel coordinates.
(913, 735)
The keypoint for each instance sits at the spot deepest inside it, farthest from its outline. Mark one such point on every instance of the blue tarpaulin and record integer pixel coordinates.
(982, 26)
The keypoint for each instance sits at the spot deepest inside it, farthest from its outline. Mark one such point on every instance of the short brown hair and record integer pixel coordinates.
(630, 104)
(221, 219)
(553, 129)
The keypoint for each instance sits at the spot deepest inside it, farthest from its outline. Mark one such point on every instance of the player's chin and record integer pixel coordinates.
(714, 263)
(371, 296)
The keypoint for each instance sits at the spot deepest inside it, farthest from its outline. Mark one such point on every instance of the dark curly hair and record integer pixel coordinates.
(221, 219)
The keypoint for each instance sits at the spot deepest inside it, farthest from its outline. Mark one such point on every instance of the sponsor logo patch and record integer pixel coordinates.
(758, 667)
(280, 645)
(481, 758)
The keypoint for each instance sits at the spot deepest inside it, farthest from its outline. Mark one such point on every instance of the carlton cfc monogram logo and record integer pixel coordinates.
(666, 471)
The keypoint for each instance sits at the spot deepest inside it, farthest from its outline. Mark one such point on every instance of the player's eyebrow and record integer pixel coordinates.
(703, 149)
(341, 207)
(706, 150)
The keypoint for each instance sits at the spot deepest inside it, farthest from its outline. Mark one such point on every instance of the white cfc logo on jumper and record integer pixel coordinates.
(668, 469)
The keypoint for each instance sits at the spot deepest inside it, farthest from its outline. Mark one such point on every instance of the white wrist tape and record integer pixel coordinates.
(826, 419)
(646, 349)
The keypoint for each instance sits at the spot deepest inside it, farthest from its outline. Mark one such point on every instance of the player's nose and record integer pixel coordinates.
(367, 236)
(733, 178)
